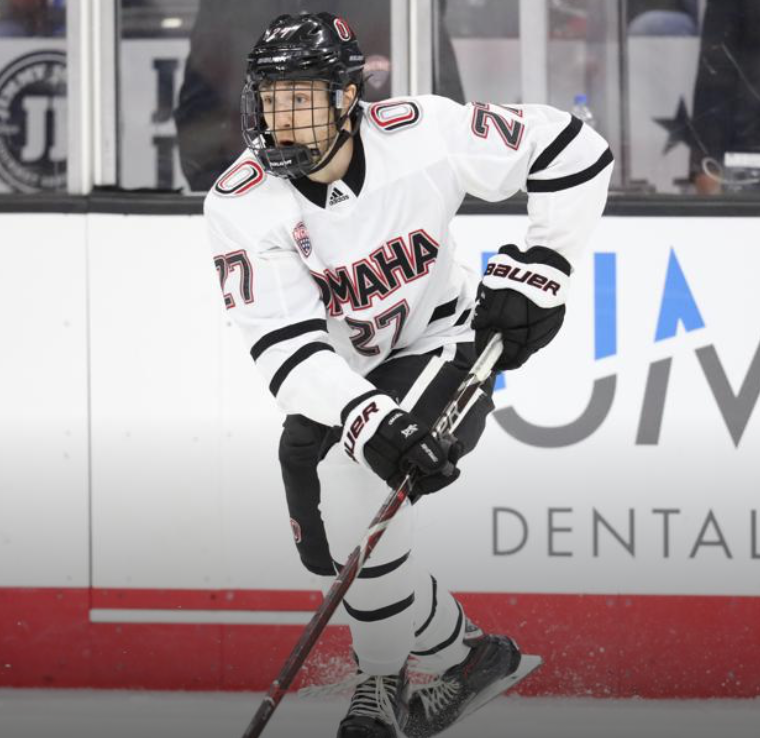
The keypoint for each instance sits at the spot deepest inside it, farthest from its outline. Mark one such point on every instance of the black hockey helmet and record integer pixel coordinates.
(307, 48)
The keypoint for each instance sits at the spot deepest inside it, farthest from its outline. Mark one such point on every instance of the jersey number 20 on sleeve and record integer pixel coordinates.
(225, 263)
(483, 119)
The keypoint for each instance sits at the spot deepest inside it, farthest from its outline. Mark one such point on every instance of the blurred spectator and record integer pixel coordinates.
(643, 17)
(24, 18)
(208, 112)
(483, 18)
(156, 18)
(568, 19)
(726, 110)
(663, 18)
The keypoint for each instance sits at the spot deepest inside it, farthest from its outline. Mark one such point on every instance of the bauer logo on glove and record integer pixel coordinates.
(522, 297)
(380, 435)
(523, 276)
(356, 427)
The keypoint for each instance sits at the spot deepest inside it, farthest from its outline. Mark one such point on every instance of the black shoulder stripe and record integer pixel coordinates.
(283, 334)
(382, 613)
(293, 361)
(555, 148)
(572, 180)
(357, 401)
(444, 310)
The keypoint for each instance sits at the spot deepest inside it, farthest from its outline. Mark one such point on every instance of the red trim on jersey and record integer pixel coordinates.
(223, 271)
(428, 263)
(254, 178)
(225, 263)
(410, 115)
(485, 108)
(516, 111)
(246, 272)
(340, 275)
(400, 318)
(387, 250)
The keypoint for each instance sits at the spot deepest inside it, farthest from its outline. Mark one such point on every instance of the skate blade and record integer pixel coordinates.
(528, 664)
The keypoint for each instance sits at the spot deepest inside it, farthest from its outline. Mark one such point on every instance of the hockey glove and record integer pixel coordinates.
(522, 297)
(381, 436)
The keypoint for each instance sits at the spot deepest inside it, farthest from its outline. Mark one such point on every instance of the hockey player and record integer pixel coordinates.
(331, 237)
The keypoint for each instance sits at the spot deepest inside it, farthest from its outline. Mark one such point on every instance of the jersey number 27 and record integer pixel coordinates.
(484, 120)
(225, 263)
(365, 329)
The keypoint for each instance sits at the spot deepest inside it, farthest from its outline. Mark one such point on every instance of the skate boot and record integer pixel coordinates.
(376, 707)
(464, 687)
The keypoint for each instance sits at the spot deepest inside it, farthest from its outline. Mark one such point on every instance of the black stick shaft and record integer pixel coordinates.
(446, 424)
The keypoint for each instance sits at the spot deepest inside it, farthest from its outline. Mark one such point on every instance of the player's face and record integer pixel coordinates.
(299, 112)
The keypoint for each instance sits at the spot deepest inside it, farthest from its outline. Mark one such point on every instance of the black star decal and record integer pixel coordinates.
(679, 129)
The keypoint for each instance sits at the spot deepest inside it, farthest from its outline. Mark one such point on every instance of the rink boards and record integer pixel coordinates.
(609, 519)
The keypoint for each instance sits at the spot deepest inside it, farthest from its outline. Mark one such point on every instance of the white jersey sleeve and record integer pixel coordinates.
(273, 299)
(563, 165)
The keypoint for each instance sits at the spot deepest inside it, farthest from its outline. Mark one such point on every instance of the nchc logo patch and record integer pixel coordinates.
(301, 237)
(33, 122)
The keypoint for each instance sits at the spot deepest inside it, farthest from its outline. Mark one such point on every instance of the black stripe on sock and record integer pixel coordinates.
(286, 333)
(556, 147)
(443, 311)
(572, 180)
(432, 609)
(373, 572)
(449, 640)
(293, 361)
(382, 613)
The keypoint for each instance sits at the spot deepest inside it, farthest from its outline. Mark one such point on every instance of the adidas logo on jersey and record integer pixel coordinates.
(337, 196)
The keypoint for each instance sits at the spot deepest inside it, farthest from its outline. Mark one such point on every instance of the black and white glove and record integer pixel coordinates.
(378, 434)
(522, 297)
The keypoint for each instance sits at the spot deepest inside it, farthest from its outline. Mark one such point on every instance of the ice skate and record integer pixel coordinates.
(493, 665)
(375, 709)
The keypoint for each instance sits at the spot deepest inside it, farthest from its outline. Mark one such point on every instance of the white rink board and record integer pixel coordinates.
(44, 525)
(186, 489)
(695, 467)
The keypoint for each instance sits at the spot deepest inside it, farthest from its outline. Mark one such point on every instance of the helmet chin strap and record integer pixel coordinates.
(340, 139)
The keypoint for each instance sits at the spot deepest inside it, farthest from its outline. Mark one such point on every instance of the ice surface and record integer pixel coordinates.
(108, 714)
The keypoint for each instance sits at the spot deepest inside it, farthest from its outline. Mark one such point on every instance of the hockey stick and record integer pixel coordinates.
(449, 419)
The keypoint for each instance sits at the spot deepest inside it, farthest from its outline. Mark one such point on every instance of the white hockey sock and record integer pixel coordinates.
(380, 603)
(439, 622)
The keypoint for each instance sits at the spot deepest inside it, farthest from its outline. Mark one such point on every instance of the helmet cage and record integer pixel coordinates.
(266, 125)
(313, 50)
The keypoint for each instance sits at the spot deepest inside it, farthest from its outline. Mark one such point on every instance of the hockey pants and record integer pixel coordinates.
(396, 608)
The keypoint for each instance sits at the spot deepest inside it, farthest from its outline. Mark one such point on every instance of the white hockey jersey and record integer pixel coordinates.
(328, 281)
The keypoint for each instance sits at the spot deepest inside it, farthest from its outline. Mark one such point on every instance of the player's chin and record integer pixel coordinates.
(322, 154)
(325, 147)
